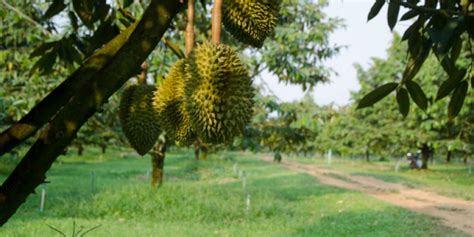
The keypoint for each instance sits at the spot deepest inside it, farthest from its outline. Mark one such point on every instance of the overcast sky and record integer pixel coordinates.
(364, 40)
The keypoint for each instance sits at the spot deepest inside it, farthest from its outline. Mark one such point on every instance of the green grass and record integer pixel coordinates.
(447, 179)
(205, 198)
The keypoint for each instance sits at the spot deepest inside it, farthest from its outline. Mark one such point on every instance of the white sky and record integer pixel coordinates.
(363, 39)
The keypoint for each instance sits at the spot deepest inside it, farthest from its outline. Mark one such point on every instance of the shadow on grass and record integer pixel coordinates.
(391, 221)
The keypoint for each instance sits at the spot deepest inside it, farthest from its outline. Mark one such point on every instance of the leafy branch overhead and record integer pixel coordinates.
(443, 28)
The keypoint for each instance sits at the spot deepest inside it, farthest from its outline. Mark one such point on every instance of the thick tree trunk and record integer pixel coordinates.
(103, 148)
(425, 156)
(448, 156)
(197, 145)
(157, 163)
(204, 149)
(80, 149)
(88, 99)
(367, 154)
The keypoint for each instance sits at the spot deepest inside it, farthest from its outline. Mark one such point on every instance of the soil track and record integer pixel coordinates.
(456, 213)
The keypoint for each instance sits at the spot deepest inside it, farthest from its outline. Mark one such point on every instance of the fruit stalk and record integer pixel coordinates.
(216, 21)
(190, 28)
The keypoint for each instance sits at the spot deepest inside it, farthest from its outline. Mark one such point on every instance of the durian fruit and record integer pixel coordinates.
(168, 103)
(250, 21)
(219, 92)
(139, 122)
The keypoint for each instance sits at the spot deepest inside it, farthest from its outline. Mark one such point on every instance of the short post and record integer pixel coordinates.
(397, 165)
(244, 181)
(234, 168)
(469, 169)
(247, 202)
(43, 198)
(329, 156)
(147, 175)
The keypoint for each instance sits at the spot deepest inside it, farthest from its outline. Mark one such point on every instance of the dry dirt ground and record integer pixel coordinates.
(456, 213)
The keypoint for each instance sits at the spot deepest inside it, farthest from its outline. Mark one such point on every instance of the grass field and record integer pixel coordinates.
(205, 198)
(451, 179)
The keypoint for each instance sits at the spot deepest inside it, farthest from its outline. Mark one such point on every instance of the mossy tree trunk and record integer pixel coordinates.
(83, 103)
(158, 163)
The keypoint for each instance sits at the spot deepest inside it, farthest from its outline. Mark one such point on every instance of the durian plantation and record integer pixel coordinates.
(236, 118)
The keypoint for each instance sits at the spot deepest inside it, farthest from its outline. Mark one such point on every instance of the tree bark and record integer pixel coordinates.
(367, 154)
(197, 145)
(80, 149)
(190, 28)
(45, 110)
(425, 156)
(157, 163)
(204, 149)
(103, 148)
(216, 21)
(30, 172)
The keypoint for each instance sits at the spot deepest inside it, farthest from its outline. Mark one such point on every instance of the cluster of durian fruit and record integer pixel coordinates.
(208, 95)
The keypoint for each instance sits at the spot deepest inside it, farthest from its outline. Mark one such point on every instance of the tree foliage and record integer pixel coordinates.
(443, 28)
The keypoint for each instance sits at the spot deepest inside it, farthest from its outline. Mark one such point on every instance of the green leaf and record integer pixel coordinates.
(392, 15)
(43, 48)
(403, 101)
(45, 64)
(127, 3)
(374, 11)
(447, 34)
(456, 49)
(73, 20)
(410, 14)
(83, 9)
(457, 100)
(377, 94)
(417, 94)
(451, 83)
(203, 4)
(416, 61)
(56, 7)
(415, 27)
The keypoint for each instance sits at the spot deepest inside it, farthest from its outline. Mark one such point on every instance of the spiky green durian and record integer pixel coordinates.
(250, 21)
(168, 103)
(139, 122)
(219, 92)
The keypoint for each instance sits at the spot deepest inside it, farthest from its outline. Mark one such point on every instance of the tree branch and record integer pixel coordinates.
(31, 171)
(190, 28)
(56, 99)
(216, 21)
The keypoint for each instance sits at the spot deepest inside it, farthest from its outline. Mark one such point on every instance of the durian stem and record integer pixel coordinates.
(31, 171)
(190, 28)
(216, 21)
(143, 74)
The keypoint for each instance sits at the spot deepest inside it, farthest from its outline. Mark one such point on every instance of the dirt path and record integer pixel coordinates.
(456, 213)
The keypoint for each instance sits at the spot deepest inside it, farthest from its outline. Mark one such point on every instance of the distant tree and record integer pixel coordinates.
(103, 48)
(421, 129)
(445, 28)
